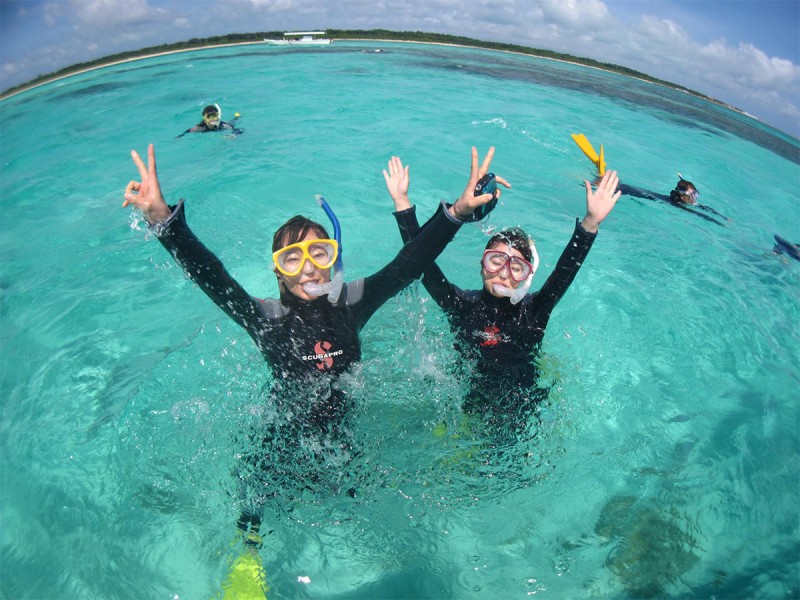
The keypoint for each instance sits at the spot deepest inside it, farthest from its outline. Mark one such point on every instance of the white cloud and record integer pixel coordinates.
(109, 13)
(274, 4)
(574, 13)
(10, 69)
(755, 65)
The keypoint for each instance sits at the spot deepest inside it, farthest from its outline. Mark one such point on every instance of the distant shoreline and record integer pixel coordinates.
(384, 41)
(370, 40)
(118, 62)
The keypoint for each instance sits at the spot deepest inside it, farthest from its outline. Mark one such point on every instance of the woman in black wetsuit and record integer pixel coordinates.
(309, 336)
(502, 325)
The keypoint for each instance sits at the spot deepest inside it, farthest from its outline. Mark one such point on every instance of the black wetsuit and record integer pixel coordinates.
(202, 127)
(308, 345)
(306, 341)
(674, 199)
(504, 337)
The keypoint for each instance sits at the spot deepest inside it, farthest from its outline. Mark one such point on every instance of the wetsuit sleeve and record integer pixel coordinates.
(566, 269)
(444, 293)
(691, 208)
(711, 210)
(206, 270)
(416, 256)
(629, 190)
(190, 130)
(407, 223)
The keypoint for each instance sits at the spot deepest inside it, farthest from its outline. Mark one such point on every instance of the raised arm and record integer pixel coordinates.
(600, 201)
(419, 254)
(146, 194)
(468, 202)
(397, 183)
(197, 261)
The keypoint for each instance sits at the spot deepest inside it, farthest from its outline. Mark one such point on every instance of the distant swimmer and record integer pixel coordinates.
(783, 246)
(684, 196)
(212, 121)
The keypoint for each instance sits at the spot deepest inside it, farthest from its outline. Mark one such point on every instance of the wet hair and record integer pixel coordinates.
(683, 186)
(294, 230)
(513, 237)
(210, 110)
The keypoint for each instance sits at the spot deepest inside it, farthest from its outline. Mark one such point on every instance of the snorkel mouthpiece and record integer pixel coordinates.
(518, 293)
(334, 287)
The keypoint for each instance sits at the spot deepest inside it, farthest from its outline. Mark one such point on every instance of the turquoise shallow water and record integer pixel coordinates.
(666, 461)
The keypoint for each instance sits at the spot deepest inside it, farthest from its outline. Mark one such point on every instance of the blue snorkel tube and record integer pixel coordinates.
(334, 287)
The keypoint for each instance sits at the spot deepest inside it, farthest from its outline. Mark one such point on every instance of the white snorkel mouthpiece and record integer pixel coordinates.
(518, 293)
(332, 289)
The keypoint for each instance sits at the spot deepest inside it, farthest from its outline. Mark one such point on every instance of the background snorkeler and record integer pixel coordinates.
(212, 121)
(683, 196)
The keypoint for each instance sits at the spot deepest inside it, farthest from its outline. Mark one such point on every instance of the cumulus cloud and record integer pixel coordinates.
(111, 13)
(742, 75)
(572, 13)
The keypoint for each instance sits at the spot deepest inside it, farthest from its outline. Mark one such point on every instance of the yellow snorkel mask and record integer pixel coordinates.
(212, 119)
(291, 259)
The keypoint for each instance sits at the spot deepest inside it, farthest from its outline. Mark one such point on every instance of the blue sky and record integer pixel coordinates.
(743, 52)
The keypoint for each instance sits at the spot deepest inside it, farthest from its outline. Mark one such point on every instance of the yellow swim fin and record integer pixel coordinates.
(601, 163)
(590, 152)
(246, 578)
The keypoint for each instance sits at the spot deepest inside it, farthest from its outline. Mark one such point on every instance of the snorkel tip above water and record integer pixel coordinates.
(333, 288)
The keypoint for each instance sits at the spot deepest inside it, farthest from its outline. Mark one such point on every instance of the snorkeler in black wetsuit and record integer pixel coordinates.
(307, 339)
(684, 196)
(502, 324)
(211, 121)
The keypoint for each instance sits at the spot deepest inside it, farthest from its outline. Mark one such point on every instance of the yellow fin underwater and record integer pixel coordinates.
(246, 579)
